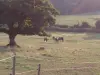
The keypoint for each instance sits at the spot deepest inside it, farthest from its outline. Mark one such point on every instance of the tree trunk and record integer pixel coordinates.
(12, 42)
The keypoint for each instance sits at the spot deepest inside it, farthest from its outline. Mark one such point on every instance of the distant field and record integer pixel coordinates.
(75, 19)
(79, 54)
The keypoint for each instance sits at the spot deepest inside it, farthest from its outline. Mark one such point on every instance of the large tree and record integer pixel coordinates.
(28, 17)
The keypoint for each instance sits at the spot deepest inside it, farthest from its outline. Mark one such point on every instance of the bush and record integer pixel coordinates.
(85, 25)
(97, 24)
(71, 26)
(63, 26)
(76, 26)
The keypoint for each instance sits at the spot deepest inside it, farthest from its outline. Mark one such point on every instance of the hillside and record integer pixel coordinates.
(76, 6)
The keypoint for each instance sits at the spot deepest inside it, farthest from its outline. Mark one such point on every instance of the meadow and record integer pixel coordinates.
(79, 54)
(75, 19)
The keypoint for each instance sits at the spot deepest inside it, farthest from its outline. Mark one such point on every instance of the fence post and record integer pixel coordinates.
(14, 62)
(39, 67)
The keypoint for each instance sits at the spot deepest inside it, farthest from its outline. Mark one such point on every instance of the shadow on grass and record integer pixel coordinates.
(49, 42)
(92, 36)
(3, 49)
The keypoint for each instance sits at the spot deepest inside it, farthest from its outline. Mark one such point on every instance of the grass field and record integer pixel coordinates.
(79, 54)
(75, 19)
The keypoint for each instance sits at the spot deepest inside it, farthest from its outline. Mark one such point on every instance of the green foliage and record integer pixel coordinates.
(97, 24)
(62, 26)
(27, 15)
(27, 22)
(85, 25)
(76, 26)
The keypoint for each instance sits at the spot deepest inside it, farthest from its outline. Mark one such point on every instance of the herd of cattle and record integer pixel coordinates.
(56, 39)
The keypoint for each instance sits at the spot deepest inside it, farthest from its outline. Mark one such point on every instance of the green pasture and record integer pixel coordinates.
(75, 19)
(79, 54)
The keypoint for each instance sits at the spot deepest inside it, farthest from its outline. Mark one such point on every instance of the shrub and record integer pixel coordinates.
(76, 26)
(63, 26)
(71, 26)
(85, 25)
(97, 24)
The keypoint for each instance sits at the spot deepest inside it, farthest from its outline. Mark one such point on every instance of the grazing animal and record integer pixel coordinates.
(61, 39)
(57, 39)
(46, 39)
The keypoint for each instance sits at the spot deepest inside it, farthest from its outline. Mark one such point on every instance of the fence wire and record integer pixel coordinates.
(52, 70)
(7, 58)
(6, 65)
(63, 70)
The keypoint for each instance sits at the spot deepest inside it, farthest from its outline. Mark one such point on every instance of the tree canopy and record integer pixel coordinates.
(26, 17)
